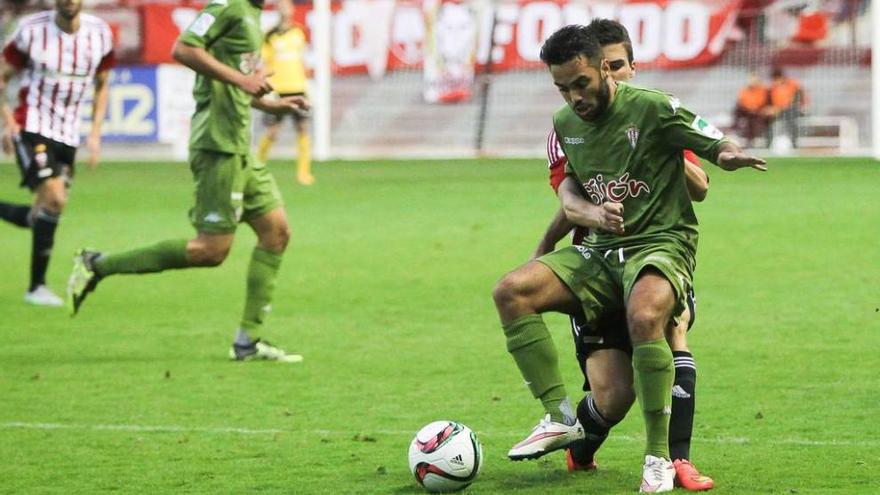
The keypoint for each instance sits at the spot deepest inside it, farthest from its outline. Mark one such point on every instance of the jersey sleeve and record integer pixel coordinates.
(108, 59)
(15, 52)
(210, 25)
(556, 161)
(686, 130)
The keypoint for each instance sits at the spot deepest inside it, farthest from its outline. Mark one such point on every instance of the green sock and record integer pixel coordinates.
(654, 374)
(534, 352)
(261, 276)
(165, 255)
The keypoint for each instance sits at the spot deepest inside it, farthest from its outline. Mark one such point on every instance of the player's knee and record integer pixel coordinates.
(508, 291)
(645, 323)
(276, 237)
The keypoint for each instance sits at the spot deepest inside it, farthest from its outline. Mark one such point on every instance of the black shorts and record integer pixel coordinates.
(610, 332)
(270, 119)
(40, 158)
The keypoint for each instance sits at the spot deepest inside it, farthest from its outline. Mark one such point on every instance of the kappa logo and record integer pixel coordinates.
(213, 217)
(573, 140)
(585, 251)
(675, 103)
(632, 133)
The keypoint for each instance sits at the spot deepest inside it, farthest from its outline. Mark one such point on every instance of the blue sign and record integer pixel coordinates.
(131, 106)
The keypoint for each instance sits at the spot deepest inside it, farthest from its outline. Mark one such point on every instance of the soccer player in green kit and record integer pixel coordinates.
(625, 180)
(223, 47)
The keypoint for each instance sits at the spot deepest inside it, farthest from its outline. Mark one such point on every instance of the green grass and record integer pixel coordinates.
(386, 291)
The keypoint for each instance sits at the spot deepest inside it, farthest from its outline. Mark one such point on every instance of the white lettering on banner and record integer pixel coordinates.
(537, 21)
(135, 121)
(408, 34)
(574, 13)
(348, 45)
(687, 30)
(643, 21)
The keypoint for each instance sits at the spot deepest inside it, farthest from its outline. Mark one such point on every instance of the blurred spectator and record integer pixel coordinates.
(751, 114)
(787, 103)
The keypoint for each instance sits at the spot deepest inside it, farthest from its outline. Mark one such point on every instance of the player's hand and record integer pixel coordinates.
(611, 217)
(93, 144)
(10, 131)
(732, 160)
(256, 83)
(294, 104)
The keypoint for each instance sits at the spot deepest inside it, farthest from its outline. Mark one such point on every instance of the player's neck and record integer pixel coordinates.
(69, 26)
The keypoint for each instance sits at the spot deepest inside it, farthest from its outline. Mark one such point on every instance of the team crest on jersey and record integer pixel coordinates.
(632, 133)
(615, 190)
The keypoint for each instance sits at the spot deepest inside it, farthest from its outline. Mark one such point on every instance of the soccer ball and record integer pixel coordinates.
(445, 456)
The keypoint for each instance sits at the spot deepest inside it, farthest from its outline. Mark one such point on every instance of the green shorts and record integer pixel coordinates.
(229, 189)
(602, 280)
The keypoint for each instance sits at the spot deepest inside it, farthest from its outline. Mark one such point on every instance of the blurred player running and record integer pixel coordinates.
(223, 46)
(603, 350)
(57, 53)
(283, 52)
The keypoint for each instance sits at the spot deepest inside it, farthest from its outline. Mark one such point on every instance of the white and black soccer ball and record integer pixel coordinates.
(445, 456)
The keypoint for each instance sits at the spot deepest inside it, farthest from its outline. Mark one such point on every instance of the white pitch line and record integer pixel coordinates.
(137, 428)
(803, 442)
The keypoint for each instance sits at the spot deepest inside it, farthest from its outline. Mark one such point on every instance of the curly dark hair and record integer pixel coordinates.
(570, 41)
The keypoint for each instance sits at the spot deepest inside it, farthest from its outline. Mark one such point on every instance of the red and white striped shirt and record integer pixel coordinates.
(56, 70)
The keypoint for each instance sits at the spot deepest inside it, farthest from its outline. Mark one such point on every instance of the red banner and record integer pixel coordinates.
(377, 36)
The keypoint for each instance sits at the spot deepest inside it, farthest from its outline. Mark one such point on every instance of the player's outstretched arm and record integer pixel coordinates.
(198, 59)
(559, 227)
(607, 216)
(731, 157)
(286, 104)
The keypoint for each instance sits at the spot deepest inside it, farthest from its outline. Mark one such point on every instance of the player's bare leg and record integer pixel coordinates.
(273, 234)
(610, 374)
(681, 423)
(50, 198)
(520, 297)
(649, 309)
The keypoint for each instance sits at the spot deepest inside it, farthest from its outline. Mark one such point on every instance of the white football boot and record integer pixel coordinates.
(42, 296)
(658, 475)
(545, 438)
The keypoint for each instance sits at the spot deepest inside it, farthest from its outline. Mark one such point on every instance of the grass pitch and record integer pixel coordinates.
(386, 291)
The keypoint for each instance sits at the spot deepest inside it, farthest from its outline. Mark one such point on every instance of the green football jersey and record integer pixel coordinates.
(230, 31)
(632, 154)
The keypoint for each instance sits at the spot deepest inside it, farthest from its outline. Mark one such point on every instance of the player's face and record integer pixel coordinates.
(68, 9)
(619, 66)
(583, 86)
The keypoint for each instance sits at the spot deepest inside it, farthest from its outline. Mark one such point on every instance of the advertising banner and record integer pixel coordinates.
(376, 36)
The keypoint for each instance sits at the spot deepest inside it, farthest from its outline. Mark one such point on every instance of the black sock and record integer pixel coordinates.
(16, 214)
(41, 248)
(681, 424)
(596, 429)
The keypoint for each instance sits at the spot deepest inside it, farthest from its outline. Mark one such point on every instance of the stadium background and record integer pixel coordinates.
(369, 62)
(386, 287)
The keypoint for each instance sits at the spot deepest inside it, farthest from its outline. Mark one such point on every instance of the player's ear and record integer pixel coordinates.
(604, 68)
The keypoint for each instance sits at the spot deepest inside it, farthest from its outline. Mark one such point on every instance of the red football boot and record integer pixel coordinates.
(573, 465)
(687, 477)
